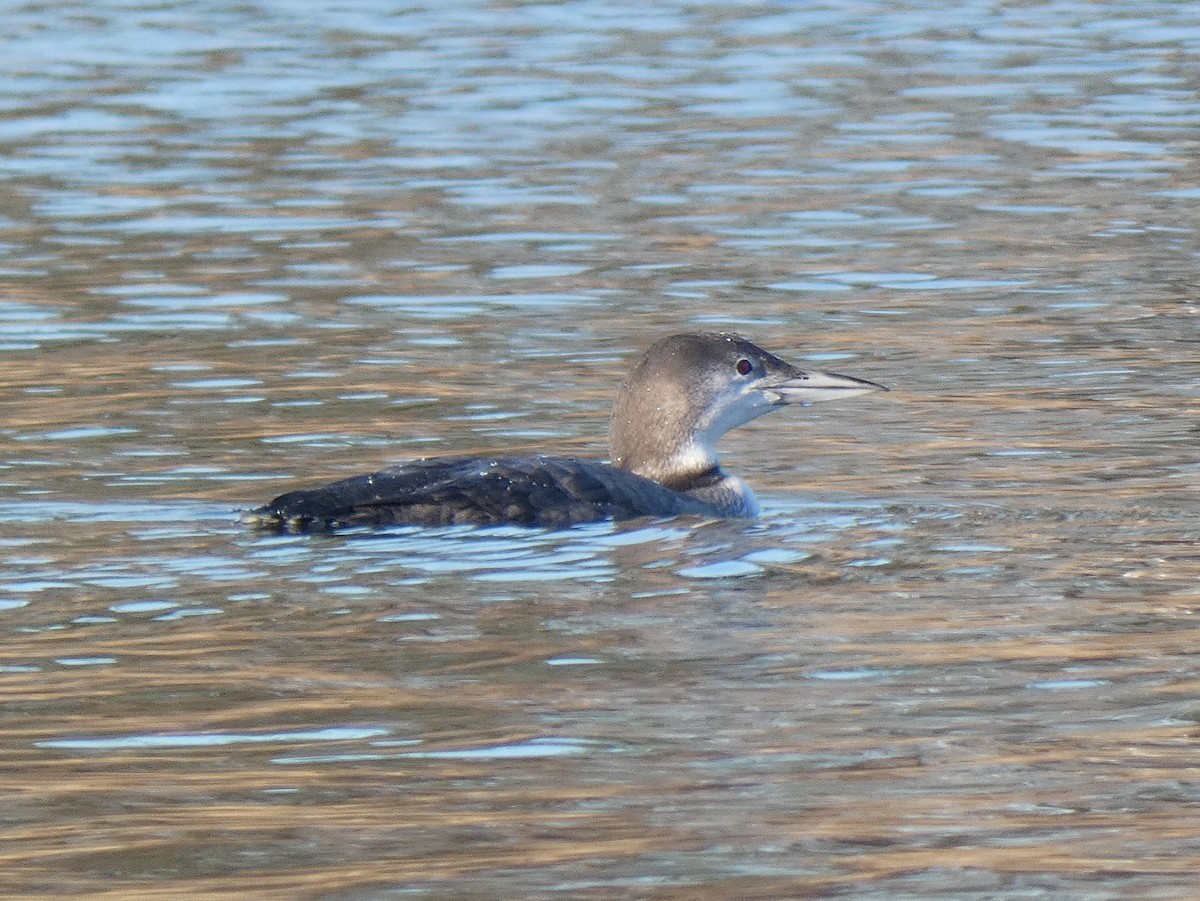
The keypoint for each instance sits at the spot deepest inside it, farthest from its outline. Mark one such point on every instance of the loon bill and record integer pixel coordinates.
(678, 400)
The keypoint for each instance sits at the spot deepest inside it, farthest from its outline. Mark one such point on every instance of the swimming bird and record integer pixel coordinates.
(682, 395)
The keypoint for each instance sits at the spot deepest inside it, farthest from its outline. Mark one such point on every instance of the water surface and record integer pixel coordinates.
(244, 248)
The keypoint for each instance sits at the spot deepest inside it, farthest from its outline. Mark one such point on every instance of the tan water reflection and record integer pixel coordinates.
(850, 745)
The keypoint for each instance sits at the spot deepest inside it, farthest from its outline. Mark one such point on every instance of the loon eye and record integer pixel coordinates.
(744, 366)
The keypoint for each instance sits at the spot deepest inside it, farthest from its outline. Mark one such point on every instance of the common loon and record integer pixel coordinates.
(684, 394)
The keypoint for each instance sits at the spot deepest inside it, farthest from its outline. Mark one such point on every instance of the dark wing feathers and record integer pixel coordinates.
(534, 491)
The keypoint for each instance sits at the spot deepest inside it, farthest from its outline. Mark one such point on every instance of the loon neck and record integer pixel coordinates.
(694, 481)
(659, 423)
(723, 494)
(677, 464)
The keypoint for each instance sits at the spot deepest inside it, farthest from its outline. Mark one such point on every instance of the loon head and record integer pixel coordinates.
(689, 390)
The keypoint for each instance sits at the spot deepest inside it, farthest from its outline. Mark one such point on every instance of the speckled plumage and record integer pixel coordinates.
(531, 491)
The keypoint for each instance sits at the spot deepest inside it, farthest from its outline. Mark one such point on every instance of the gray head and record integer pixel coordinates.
(689, 390)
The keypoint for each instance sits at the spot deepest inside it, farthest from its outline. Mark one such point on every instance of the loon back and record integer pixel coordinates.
(682, 395)
(531, 491)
